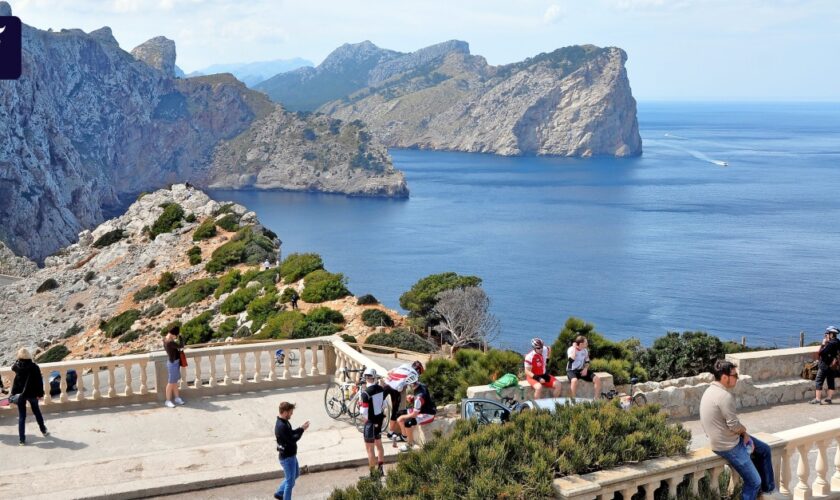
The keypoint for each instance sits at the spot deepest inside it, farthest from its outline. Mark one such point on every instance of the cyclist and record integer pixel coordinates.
(421, 412)
(577, 366)
(535, 369)
(395, 383)
(373, 413)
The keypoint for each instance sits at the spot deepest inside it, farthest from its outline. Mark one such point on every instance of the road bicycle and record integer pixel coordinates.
(637, 399)
(343, 398)
(280, 356)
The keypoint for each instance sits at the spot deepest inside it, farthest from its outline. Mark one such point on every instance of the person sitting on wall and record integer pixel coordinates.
(535, 369)
(577, 366)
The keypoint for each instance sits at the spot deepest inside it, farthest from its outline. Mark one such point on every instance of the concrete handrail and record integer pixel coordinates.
(413, 355)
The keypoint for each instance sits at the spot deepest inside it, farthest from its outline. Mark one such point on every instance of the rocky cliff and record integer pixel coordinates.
(574, 101)
(88, 122)
(12, 265)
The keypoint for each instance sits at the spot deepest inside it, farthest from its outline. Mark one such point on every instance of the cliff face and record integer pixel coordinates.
(575, 101)
(87, 122)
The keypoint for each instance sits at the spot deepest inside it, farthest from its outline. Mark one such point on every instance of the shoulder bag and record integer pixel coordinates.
(15, 398)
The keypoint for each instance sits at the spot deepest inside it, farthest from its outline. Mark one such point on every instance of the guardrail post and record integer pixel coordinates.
(159, 361)
(329, 358)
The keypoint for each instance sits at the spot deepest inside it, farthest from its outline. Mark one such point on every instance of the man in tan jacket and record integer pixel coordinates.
(728, 437)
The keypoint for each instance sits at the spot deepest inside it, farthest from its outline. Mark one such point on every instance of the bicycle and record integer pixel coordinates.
(280, 357)
(637, 399)
(344, 397)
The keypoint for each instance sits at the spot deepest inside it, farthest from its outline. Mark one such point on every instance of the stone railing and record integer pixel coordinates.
(790, 448)
(774, 364)
(141, 378)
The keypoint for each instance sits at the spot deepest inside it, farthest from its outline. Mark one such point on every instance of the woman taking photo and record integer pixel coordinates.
(172, 345)
(29, 384)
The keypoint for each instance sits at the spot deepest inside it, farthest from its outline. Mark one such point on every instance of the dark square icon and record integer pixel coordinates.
(10, 48)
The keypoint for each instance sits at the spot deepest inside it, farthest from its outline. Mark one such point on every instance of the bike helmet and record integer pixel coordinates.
(412, 378)
(418, 367)
(832, 330)
(537, 343)
(370, 372)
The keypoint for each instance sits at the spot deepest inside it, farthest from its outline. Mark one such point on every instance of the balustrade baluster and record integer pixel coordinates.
(821, 486)
(128, 382)
(714, 483)
(47, 395)
(212, 370)
(95, 372)
(784, 472)
(226, 380)
(627, 493)
(287, 363)
(63, 385)
(314, 371)
(144, 389)
(272, 363)
(650, 488)
(80, 385)
(835, 478)
(694, 482)
(112, 383)
(802, 490)
(257, 366)
(672, 486)
(197, 383)
(302, 356)
(242, 367)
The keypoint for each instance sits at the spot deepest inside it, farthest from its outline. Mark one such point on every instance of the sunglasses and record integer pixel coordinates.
(733, 376)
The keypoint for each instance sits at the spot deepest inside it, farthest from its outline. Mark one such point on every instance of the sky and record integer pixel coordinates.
(685, 50)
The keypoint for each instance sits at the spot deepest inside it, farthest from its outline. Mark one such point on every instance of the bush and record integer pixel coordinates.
(298, 265)
(685, 355)
(260, 309)
(227, 327)
(194, 291)
(227, 208)
(402, 339)
(205, 230)
(166, 282)
(621, 369)
(153, 310)
(54, 354)
(89, 276)
(190, 218)
(129, 337)
(312, 329)
(325, 315)
(245, 247)
(367, 300)
(267, 278)
(229, 222)
(109, 238)
(420, 299)
(321, 286)
(145, 293)
(348, 338)
(72, 331)
(197, 330)
(287, 295)
(281, 325)
(168, 221)
(119, 324)
(228, 282)
(521, 459)
(238, 301)
(375, 317)
(448, 380)
(47, 285)
(194, 254)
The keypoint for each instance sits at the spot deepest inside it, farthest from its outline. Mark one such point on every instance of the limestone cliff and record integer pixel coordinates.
(88, 122)
(574, 101)
(12, 265)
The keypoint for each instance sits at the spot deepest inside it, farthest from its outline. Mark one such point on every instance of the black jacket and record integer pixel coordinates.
(287, 437)
(829, 351)
(26, 369)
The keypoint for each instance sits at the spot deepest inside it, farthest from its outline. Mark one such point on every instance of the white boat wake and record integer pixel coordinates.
(693, 152)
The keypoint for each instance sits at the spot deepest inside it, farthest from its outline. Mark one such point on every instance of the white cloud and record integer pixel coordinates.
(127, 5)
(553, 14)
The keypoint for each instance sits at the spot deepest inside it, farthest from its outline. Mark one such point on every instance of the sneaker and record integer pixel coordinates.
(45, 432)
(405, 448)
(179, 401)
(814, 401)
(826, 401)
(169, 404)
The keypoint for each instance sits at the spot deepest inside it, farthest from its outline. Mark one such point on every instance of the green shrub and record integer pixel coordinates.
(325, 315)
(229, 222)
(685, 355)
(129, 337)
(72, 331)
(153, 310)
(89, 276)
(238, 301)
(267, 278)
(145, 293)
(281, 325)
(599, 346)
(119, 324)
(260, 309)
(168, 326)
(109, 238)
(194, 254)
(168, 221)
(287, 295)
(227, 327)
(227, 208)
(298, 265)
(245, 247)
(375, 317)
(228, 282)
(367, 300)
(321, 286)
(521, 459)
(205, 230)
(53, 354)
(191, 292)
(420, 299)
(621, 369)
(448, 380)
(197, 330)
(190, 218)
(401, 339)
(348, 338)
(166, 282)
(47, 285)
(312, 329)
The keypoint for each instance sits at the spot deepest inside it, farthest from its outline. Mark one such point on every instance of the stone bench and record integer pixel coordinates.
(524, 390)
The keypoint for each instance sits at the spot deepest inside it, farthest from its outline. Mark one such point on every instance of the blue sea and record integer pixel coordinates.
(728, 223)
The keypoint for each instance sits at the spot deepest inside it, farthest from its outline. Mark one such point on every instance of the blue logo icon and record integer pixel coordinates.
(10, 48)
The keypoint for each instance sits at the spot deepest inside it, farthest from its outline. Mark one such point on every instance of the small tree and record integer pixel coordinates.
(422, 297)
(465, 317)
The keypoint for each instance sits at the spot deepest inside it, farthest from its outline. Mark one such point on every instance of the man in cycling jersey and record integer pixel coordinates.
(395, 383)
(577, 366)
(421, 412)
(372, 411)
(535, 369)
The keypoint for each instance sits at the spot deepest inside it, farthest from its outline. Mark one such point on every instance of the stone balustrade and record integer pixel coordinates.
(790, 448)
(141, 378)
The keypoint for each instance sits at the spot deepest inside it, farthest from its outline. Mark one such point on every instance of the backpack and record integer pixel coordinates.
(809, 371)
(505, 381)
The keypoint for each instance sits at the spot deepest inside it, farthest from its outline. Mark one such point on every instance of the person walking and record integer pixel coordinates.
(728, 437)
(173, 346)
(29, 385)
(577, 366)
(829, 350)
(287, 439)
(373, 413)
(295, 298)
(536, 372)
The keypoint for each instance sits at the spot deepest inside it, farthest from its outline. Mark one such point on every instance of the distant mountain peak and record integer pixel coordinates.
(104, 34)
(159, 53)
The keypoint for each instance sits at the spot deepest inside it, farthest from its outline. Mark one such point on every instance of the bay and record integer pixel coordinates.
(672, 240)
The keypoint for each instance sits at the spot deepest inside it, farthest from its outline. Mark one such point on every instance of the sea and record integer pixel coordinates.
(728, 223)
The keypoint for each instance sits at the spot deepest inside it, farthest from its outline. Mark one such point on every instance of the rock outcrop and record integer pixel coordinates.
(575, 101)
(159, 53)
(12, 265)
(88, 123)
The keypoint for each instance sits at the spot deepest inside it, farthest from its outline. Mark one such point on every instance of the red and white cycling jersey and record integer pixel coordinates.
(397, 378)
(535, 361)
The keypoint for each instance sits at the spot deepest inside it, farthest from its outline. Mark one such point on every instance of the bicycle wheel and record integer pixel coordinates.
(353, 410)
(639, 399)
(334, 400)
(293, 356)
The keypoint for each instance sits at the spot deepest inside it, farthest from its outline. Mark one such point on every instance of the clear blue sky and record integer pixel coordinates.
(678, 49)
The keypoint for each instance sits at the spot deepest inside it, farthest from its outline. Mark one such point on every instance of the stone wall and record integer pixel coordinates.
(524, 391)
(773, 365)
